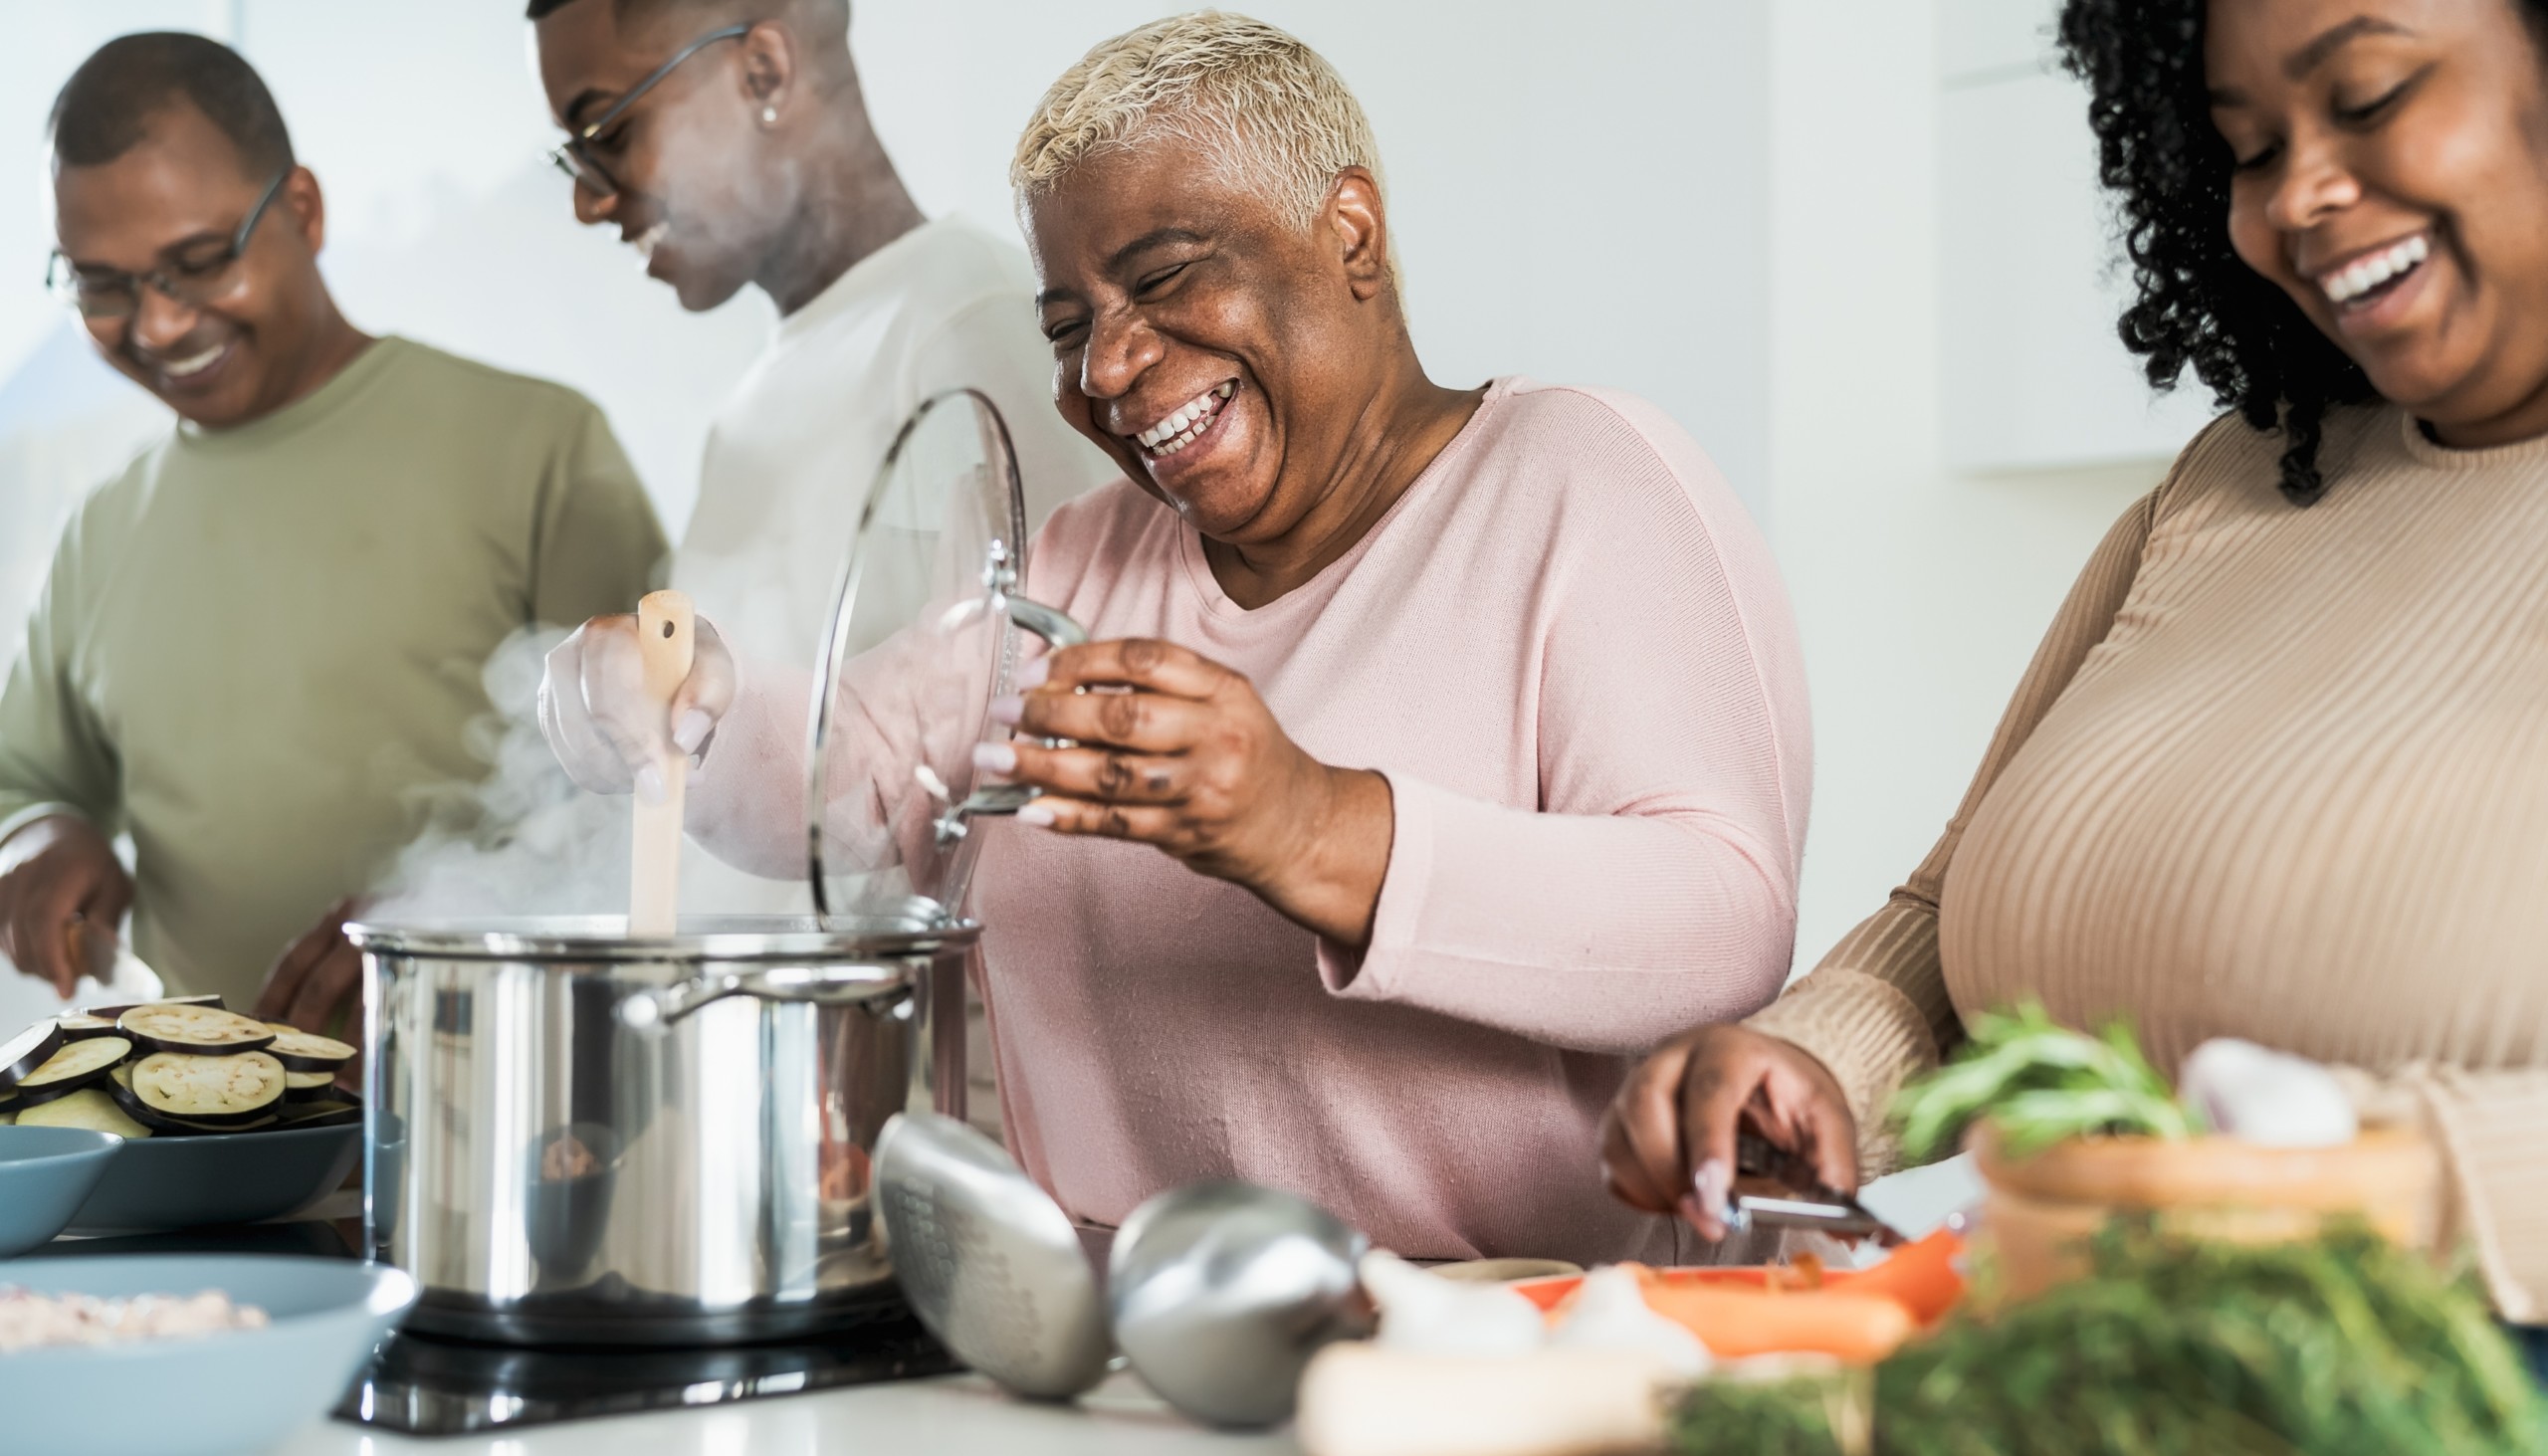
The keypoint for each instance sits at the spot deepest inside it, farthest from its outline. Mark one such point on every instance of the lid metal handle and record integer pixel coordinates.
(998, 800)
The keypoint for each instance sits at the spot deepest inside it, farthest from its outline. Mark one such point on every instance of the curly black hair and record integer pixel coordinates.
(2198, 304)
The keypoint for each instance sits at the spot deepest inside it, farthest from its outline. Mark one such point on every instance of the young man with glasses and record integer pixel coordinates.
(262, 641)
(728, 143)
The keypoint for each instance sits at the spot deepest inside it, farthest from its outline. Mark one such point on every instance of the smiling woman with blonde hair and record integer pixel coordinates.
(1470, 721)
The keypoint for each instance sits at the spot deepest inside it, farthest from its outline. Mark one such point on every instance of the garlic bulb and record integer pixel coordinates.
(2266, 1097)
(1609, 1312)
(1432, 1315)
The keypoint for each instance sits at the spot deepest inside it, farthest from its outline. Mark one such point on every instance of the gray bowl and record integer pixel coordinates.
(45, 1172)
(211, 1395)
(160, 1183)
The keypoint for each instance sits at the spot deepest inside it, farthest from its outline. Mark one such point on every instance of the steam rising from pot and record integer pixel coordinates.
(522, 841)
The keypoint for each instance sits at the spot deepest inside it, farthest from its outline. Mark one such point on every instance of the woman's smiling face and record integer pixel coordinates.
(1205, 337)
(2391, 175)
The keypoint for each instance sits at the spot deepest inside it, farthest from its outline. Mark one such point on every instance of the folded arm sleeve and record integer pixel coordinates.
(2493, 1195)
(54, 756)
(1653, 885)
(1875, 1011)
(598, 546)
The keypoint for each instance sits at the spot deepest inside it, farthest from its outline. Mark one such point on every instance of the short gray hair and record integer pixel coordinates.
(1268, 109)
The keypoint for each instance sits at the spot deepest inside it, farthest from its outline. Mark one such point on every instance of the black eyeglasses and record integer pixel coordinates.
(193, 278)
(574, 156)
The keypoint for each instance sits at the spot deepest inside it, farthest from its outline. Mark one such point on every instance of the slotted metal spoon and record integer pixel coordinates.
(989, 1262)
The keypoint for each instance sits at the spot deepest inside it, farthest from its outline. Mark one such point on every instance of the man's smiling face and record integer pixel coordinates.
(177, 196)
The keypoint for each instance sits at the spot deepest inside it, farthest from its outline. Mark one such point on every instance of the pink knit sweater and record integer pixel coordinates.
(1568, 650)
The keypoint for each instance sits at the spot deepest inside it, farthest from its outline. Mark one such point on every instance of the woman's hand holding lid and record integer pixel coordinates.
(1173, 749)
(1667, 1141)
(603, 724)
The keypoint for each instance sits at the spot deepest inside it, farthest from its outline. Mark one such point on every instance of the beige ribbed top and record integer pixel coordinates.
(2275, 773)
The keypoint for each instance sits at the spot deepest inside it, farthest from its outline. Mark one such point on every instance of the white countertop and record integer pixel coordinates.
(950, 1413)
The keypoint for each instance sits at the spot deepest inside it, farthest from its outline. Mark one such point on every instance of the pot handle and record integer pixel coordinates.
(839, 985)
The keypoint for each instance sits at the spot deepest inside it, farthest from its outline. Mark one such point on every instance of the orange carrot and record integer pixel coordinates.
(1860, 1329)
(1920, 1276)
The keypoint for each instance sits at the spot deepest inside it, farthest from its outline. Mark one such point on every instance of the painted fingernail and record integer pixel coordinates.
(1713, 1183)
(994, 758)
(1032, 673)
(1037, 815)
(1008, 710)
(650, 783)
(691, 731)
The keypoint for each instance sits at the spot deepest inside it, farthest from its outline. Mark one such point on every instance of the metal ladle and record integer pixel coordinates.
(990, 1264)
(1222, 1290)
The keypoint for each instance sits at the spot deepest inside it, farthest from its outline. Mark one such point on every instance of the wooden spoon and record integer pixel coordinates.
(664, 637)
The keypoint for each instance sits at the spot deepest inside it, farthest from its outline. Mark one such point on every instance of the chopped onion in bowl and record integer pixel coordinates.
(31, 1320)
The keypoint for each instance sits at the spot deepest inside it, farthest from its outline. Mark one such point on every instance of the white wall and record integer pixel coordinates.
(1577, 190)
(1921, 589)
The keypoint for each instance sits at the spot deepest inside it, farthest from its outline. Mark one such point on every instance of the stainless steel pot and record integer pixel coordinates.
(576, 1136)
(580, 1137)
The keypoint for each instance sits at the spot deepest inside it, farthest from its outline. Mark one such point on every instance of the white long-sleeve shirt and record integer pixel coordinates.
(793, 451)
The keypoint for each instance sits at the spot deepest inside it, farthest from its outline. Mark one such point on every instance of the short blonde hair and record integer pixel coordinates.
(1268, 109)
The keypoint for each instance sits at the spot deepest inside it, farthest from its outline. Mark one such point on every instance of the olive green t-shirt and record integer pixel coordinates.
(257, 644)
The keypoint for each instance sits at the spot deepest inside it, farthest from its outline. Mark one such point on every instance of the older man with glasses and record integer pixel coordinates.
(263, 639)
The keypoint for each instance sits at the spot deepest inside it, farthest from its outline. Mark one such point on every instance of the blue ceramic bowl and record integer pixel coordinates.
(160, 1183)
(45, 1176)
(213, 1395)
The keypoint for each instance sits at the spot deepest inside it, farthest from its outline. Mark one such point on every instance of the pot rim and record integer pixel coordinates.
(605, 937)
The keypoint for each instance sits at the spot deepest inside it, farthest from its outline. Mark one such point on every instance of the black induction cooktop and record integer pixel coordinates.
(431, 1386)
(428, 1386)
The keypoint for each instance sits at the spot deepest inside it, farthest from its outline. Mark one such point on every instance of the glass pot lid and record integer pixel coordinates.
(925, 632)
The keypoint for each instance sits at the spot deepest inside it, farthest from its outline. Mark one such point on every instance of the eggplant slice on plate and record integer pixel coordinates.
(202, 1031)
(87, 1107)
(79, 1026)
(310, 1086)
(116, 1009)
(27, 1051)
(304, 1051)
(210, 1092)
(78, 1064)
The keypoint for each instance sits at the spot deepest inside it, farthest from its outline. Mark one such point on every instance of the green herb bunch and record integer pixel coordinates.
(2041, 1083)
(2343, 1345)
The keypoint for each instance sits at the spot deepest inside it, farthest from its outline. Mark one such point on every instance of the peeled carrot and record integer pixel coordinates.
(1860, 1329)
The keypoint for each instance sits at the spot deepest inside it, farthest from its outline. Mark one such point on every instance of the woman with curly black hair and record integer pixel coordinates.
(2280, 770)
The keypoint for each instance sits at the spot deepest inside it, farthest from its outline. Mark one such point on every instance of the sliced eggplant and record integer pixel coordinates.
(200, 1031)
(310, 1087)
(306, 1051)
(119, 1085)
(78, 1064)
(87, 1107)
(28, 1050)
(210, 1092)
(323, 1114)
(8, 1119)
(80, 1027)
(109, 1013)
